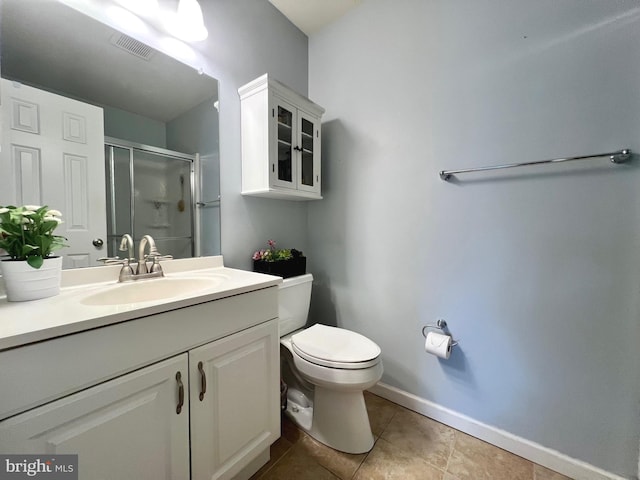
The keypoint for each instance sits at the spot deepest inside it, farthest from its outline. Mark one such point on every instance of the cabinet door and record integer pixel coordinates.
(238, 415)
(126, 428)
(308, 153)
(282, 171)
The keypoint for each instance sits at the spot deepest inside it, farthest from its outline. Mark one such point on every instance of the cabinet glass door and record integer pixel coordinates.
(284, 168)
(309, 177)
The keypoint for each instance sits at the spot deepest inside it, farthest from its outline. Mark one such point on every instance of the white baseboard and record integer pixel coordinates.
(537, 453)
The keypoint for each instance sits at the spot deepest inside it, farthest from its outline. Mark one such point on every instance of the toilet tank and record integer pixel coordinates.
(294, 297)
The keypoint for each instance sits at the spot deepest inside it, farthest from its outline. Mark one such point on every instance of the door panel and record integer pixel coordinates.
(283, 169)
(28, 170)
(53, 155)
(309, 169)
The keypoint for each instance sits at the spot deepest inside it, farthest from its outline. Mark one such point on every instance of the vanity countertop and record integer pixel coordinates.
(22, 323)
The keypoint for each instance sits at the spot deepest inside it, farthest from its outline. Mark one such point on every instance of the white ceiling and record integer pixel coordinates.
(312, 15)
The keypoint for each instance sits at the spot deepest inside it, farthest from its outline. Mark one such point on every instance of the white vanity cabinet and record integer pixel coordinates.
(123, 429)
(191, 393)
(281, 137)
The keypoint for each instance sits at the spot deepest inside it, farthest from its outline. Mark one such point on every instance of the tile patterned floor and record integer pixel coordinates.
(408, 446)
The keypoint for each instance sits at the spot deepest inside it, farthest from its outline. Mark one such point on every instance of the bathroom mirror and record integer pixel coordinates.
(160, 152)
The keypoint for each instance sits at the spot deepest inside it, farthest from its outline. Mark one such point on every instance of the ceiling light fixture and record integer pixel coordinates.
(187, 23)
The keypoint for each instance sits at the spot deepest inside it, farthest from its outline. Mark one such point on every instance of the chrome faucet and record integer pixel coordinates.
(142, 271)
(153, 253)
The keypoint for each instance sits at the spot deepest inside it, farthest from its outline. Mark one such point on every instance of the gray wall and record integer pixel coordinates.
(537, 270)
(248, 38)
(196, 131)
(134, 128)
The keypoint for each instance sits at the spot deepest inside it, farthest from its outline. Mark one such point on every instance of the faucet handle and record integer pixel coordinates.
(126, 272)
(157, 256)
(113, 260)
(156, 267)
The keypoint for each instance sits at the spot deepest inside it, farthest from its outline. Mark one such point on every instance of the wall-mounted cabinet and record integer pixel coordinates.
(281, 136)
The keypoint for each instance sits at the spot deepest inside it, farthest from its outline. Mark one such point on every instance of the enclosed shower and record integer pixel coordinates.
(150, 191)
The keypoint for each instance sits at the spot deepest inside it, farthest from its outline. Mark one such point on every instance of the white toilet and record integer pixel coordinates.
(326, 370)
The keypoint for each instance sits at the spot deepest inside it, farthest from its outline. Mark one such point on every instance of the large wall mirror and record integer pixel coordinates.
(119, 137)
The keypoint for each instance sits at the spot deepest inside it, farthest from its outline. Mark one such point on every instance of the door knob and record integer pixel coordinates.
(97, 242)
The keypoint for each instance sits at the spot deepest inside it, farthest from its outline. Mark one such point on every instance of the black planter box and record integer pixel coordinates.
(282, 268)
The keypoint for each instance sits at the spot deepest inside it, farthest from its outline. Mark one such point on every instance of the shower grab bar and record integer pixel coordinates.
(615, 157)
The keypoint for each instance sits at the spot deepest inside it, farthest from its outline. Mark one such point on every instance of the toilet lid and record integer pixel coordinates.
(335, 347)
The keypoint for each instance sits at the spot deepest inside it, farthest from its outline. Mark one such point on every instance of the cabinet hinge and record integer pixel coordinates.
(273, 112)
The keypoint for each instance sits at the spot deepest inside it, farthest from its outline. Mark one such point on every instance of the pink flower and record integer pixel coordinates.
(272, 244)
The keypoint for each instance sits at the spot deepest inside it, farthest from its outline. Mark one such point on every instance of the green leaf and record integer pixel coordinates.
(35, 261)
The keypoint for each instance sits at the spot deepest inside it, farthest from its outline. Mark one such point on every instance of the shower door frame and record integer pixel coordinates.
(193, 182)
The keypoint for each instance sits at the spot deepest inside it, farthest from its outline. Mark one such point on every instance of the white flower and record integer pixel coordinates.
(27, 214)
(3, 210)
(25, 220)
(53, 213)
(32, 208)
(49, 218)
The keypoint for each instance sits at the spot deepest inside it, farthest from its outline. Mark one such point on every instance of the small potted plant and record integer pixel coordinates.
(282, 262)
(26, 234)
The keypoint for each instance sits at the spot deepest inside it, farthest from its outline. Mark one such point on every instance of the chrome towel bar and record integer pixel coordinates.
(615, 157)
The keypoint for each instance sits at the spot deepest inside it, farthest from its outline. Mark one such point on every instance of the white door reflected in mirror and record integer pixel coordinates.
(49, 158)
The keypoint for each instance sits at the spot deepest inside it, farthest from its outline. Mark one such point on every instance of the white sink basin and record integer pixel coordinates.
(153, 289)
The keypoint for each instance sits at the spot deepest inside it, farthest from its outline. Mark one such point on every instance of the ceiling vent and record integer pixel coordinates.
(133, 46)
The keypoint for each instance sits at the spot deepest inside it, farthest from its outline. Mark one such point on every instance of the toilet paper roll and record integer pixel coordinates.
(438, 344)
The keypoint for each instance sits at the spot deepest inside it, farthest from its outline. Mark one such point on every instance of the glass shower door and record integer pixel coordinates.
(119, 197)
(162, 199)
(149, 192)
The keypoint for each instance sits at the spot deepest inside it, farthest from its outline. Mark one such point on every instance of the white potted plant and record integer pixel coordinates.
(26, 234)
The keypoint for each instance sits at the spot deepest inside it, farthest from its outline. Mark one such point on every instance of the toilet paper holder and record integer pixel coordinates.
(440, 325)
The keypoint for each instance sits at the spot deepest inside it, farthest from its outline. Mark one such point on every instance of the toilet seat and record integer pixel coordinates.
(334, 347)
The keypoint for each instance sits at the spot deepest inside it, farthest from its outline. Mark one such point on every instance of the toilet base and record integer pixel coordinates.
(337, 419)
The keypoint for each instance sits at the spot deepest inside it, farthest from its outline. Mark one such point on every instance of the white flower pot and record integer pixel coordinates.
(23, 282)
